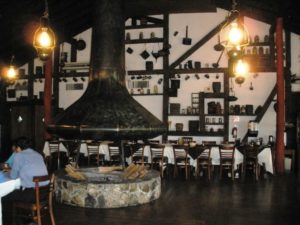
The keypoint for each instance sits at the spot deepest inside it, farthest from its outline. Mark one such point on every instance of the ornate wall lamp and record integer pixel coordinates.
(44, 38)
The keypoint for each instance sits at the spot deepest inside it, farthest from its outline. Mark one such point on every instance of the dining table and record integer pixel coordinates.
(7, 185)
(193, 154)
(264, 157)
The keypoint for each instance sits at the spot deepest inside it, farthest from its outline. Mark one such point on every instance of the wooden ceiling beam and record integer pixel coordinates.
(144, 7)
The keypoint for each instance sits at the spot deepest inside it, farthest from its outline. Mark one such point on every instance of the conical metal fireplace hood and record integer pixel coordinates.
(106, 110)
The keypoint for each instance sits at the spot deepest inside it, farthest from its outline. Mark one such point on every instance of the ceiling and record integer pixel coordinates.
(19, 19)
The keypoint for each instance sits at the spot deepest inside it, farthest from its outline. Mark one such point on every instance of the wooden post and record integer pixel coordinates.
(280, 98)
(48, 97)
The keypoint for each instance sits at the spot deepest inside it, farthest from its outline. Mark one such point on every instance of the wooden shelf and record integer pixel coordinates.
(61, 74)
(27, 102)
(146, 26)
(142, 41)
(146, 94)
(214, 95)
(183, 115)
(214, 124)
(199, 133)
(242, 115)
(258, 44)
(257, 69)
(258, 56)
(145, 72)
(260, 63)
(200, 70)
(72, 74)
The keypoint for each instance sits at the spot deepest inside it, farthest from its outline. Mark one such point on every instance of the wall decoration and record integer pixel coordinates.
(186, 40)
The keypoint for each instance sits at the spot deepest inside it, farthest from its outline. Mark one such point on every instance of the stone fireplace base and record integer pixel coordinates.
(106, 190)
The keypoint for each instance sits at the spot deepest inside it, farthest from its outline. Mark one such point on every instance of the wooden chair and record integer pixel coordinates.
(157, 158)
(227, 159)
(93, 149)
(204, 161)
(42, 204)
(114, 154)
(137, 154)
(251, 160)
(54, 152)
(181, 160)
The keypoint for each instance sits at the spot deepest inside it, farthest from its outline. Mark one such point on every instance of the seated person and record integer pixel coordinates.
(27, 164)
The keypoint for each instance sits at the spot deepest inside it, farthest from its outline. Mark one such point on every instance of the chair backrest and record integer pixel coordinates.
(43, 194)
(137, 149)
(251, 151)
(53, 146)
(206, 153)
(114, 149)
(157, 150)
(226, 151)
(180, 151)
(173, 141)
(93, 148)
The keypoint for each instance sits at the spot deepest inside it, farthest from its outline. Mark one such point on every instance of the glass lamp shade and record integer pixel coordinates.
(11, 73)
(234, 35)
(234, 55)
(241, 70)
(44, 42)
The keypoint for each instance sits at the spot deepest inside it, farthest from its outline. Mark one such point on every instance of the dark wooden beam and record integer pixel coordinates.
(154, 20)
(165, 102)
(266, 105)
(144, 7)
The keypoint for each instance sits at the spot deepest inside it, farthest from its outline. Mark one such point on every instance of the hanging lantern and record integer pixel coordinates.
(44, 38)
(11, 73)
(234, 34)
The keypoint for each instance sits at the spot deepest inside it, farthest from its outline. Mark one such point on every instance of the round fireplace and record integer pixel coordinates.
(106, 190)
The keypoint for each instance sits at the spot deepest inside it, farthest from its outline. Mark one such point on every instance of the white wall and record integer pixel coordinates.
(295, 60)
(199, 25)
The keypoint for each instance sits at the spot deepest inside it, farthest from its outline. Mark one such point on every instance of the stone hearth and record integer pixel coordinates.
(106, 190)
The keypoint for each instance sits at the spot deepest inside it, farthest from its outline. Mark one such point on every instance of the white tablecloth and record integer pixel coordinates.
(6, 186)
(265, 158)
(83, 149)
(215, 155)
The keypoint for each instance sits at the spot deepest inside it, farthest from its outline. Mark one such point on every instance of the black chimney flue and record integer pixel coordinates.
(106, 110)
(107, 51)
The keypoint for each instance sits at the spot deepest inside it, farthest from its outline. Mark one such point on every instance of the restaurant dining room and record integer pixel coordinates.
(142, 112)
